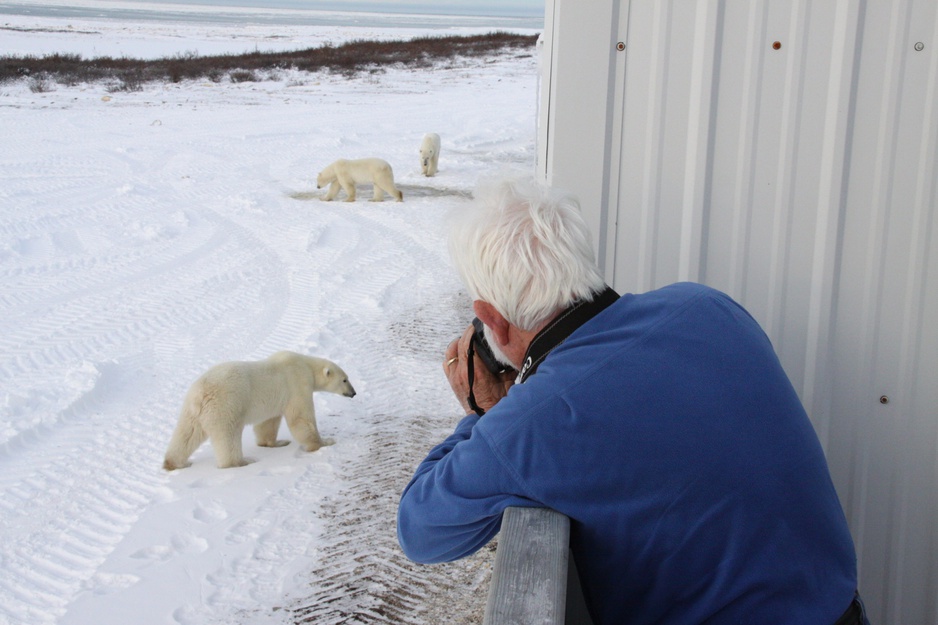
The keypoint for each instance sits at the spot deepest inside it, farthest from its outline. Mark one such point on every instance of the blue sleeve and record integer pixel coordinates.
(453, 505)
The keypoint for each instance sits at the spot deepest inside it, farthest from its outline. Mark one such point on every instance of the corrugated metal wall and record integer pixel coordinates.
(787, 153)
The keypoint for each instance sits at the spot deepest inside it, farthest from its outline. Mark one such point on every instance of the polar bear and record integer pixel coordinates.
(345, 174)
(430, 154)
(231, 395)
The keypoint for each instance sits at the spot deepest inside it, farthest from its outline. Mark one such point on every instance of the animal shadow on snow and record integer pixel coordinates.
(410, 191)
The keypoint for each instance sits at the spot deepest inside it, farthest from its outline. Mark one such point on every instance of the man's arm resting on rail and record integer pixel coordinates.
(453, 505)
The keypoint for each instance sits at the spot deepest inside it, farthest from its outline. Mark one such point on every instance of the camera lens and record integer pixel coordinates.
(483, 349)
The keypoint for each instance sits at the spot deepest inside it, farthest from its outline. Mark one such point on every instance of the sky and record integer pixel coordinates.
(521, 8)
(494, 14)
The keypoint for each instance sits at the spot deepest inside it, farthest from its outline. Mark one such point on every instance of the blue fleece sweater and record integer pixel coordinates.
(666, 429)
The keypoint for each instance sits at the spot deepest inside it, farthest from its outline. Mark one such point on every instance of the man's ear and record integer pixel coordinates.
(493, 319)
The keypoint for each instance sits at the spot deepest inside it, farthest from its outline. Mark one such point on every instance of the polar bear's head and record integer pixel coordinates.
(326, 177)
(333, 379)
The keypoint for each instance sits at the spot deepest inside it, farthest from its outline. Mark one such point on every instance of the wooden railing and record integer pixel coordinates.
(534, 579)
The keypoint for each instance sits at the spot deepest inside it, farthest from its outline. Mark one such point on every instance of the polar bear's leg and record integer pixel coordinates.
(333, 191)
(186, 439)
(348, 185)
(434, 164)
(266, 433)
(385, 181)
(224, 430)
(228, 451)
(301, 419)
(378, 193)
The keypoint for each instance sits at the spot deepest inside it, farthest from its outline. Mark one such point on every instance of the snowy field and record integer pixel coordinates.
(145, 236)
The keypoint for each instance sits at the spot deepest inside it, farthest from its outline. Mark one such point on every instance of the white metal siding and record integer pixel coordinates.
(802, 180)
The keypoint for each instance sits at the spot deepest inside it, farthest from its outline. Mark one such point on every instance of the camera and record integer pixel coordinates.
(482, 348)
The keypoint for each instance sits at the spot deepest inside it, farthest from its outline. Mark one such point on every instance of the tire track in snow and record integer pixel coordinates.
(97, 440)
(55, 548)
(84, 325)
(364, 577)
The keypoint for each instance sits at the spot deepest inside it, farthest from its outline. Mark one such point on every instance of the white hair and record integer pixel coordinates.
(525, 249)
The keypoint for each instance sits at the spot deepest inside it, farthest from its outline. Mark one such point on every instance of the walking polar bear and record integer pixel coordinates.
(345, 174)
(430, 154)
(231, 395)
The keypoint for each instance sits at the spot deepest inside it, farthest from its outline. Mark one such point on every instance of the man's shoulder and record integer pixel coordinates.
(671, 297)
(678, 296)
(686, 290)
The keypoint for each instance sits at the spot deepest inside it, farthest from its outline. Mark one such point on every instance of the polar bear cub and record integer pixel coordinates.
(231, 395)
(430, 154)
(345, 174)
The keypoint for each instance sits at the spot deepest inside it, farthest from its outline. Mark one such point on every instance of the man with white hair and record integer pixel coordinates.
(662, 424)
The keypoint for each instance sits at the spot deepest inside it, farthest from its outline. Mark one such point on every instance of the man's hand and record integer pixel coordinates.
(487, 387)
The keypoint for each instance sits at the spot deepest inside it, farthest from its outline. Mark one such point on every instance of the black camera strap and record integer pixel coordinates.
(470, 366)
(557, 331)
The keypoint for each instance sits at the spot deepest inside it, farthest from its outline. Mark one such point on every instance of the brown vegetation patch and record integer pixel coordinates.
(350, 59)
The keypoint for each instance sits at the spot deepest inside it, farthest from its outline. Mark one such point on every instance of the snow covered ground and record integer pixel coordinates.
(145, 236)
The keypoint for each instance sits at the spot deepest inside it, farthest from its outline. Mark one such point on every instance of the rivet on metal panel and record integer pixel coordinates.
(919, 46)
(620, 46)
(776, 45)
(884, 399)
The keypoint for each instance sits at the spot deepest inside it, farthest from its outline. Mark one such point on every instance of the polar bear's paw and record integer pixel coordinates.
(241, 463)
(323, 442)
(273, 444)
